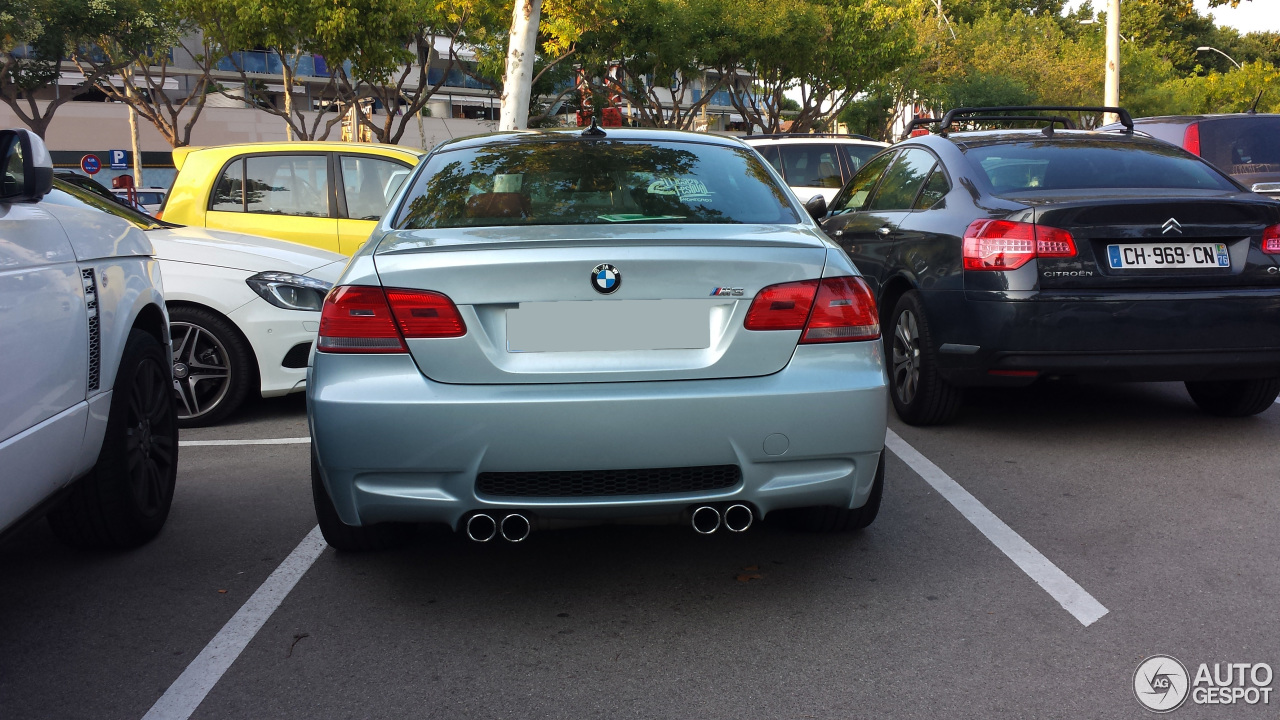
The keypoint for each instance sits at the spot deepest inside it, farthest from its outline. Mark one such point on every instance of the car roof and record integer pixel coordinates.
(610, 133)
(180, 153)
(974, 138)
(1194, 118)
(812, 138)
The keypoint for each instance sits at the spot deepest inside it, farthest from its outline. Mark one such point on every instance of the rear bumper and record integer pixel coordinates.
(394, 445)
(1147, 337)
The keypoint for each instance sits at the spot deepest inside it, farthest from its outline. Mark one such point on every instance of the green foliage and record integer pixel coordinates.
(983, 89)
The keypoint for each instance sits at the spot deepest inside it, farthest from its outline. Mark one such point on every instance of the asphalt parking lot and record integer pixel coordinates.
(1102, 525)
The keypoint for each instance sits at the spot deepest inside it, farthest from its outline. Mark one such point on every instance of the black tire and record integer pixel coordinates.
(212, 364)
(920, 396)
(829, 519)
(1234, 398)
(124, 500)
(351, 538)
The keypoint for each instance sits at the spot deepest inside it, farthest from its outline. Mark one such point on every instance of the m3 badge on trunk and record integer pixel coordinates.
(606, 278)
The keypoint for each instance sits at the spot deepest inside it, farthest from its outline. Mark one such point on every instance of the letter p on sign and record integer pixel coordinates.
(118, 160)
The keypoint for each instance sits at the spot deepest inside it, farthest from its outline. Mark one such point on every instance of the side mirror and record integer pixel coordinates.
(27, 167)
(816, 207)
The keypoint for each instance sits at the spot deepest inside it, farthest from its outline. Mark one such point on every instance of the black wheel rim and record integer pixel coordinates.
(150, 438)
(906, 357)
(201, 370)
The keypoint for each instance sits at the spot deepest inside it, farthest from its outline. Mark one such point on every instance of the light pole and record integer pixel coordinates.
(1202, 48)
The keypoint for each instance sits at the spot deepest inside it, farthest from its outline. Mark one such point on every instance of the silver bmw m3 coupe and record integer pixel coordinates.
(552, 328)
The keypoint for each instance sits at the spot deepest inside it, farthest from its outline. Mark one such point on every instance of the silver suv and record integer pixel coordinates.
(815, 164)
(88, 428)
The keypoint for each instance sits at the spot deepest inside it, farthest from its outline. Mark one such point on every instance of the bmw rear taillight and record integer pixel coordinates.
(425, 314)
(1008, 245)
(839, 309)
(1271, 240)
(1191, 138)
(844, 310)
(363, 319)
(782, 307)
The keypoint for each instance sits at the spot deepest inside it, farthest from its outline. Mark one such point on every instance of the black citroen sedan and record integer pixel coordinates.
(999, 257)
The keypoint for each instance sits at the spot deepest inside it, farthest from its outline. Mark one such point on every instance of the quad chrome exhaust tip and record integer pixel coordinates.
(515, 527)
(738, 517)
(705, 520)
(481, 527)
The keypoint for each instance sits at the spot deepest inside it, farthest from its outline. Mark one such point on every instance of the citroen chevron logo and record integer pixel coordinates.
(1172, 225)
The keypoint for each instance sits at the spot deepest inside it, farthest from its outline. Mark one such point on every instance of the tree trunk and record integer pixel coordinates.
(288, 98)
(137, 153)
(518, 81)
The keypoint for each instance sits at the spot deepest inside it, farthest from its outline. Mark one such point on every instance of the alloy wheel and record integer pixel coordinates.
(201, 370)
(906, 357)
(150, 438)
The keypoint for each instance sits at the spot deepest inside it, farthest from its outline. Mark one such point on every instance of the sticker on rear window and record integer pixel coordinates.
(686, 189)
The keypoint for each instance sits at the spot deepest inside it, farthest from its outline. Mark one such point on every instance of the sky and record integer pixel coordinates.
(1250, 16)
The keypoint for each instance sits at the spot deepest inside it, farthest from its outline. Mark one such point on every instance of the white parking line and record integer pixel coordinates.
(261, 441)
(189, 690)
(1062, 588)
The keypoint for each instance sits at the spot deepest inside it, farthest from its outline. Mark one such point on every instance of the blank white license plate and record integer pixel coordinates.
(1169, 255)
(580, 326)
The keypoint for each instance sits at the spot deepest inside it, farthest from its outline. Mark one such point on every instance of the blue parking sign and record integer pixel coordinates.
(118, 159)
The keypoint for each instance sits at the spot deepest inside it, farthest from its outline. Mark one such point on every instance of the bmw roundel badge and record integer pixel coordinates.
(606, 278)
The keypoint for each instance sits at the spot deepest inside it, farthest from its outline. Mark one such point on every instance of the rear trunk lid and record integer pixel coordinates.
(1175, 240)
(677, 297)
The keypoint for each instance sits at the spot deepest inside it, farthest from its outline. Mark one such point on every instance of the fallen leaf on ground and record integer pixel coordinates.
(751, 568)
(223, 591)
(748, 577)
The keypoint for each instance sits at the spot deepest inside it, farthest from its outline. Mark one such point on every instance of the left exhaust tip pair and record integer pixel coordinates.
(706, 519)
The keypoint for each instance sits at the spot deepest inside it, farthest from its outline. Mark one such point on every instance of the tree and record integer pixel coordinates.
(825, 52)
(39, 39)
(288, 29)
(141, 71)
(388, 46)
(656, 57)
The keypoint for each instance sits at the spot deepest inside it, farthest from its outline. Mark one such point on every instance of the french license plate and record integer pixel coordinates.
(1169, 255)
(583, 326)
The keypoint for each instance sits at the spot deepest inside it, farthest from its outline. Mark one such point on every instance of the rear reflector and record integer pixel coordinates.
(362, 319)
(1008, 245)
(1014, 373)
(840, 309)
(1271, 240)
(1191, 138)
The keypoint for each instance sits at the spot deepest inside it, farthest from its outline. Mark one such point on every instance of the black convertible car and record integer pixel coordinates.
(1003, 256)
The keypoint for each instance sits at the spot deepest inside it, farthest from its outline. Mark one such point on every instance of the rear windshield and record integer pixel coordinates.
(1083, 165)
(593, 182)
(1242, 145)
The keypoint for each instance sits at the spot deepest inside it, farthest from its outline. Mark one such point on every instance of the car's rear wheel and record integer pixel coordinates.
(351, 538)
(920, 395)
(828, 519)
(124, 501)
(212, 365)
(1234, 398)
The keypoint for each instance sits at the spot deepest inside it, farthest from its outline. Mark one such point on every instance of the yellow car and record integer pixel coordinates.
(325, 194)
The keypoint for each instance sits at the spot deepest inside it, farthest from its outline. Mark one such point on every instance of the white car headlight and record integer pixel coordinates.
(290, 291)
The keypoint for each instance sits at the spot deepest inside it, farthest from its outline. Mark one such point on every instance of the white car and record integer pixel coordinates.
(243, 309)
(815, 164)
(88, 423)
(149, 198)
